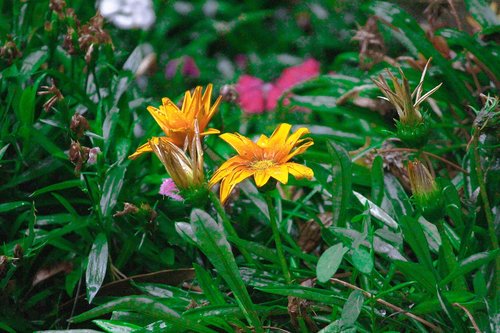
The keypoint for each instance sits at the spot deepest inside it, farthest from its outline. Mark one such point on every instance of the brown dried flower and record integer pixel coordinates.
(79, 124)
(371, 44)
(92, 34)
(9, 50)
(56, 95)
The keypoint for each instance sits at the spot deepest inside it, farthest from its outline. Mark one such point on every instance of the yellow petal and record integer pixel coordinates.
(145, 148)
(224, 170)
(300, 149)
(261, 177)
(292, 139)
(299, 171)
(210, 131)
(279, 135)
(244, 146)
(280, 173)
(241, 175)
(225, 190)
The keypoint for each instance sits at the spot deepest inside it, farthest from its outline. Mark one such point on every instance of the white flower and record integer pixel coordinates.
(128, 14)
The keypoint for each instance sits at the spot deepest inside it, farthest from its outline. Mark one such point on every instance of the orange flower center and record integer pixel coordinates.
(262, 164)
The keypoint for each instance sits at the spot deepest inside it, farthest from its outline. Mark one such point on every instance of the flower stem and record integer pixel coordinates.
(487, 208)
(277, 239)
(226, 223)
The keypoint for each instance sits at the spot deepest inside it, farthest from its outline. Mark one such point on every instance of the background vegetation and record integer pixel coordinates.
(362, 255)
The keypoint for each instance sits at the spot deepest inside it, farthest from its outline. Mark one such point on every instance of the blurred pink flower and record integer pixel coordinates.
(252, 93)
(256, 96)
(169, 189)
(187, 67)
(290, 77)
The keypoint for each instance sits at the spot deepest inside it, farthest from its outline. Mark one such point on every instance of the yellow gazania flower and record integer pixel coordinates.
(178, 125)
(267, 158)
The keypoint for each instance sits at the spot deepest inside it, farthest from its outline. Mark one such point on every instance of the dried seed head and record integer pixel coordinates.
(79, 124)
(50, 90)
(128, 208)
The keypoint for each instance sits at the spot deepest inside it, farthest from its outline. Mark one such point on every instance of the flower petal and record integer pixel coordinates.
(280, 173)
(243, 145)
(261, 177)
(300, 171)
(145, 148)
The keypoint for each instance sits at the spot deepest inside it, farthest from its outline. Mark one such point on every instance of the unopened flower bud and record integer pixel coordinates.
(412, 126)
(426, 192)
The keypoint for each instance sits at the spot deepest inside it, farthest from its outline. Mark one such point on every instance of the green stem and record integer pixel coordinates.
(487, 209)
(277, 239)
(226, 223)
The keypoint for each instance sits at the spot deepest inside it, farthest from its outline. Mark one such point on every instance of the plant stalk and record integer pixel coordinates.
(228, 227)
(277, 239)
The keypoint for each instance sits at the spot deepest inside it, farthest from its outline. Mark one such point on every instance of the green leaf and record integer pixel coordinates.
(8, 206)
(362, 260)
(482, 13)
(414, 236)
(149, 306)
(352, 308)
(255, 248)
(486, 54)
(469, 264)
(211, 239)
(115, 326)
(419, 273)
(376, 211)
(341, 188)
(58, 186)
(111, 188)
(329, 262)
(208, 286)
(313, 294)
(70, 331)
(377, 175)
(97, 265)
(432, 305)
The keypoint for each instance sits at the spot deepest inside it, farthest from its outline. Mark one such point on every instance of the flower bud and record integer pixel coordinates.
(412, 126)
(426, 193)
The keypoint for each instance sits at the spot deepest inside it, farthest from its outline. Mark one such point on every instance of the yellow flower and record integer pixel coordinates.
(186, 170)
(267, 158)
(178, 125)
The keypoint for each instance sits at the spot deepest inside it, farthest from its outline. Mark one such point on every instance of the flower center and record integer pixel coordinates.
(262, 164)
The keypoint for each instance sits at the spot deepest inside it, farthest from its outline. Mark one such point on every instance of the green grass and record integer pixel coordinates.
(361, 255)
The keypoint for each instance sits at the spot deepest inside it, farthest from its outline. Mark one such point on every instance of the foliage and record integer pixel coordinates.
(88, 244)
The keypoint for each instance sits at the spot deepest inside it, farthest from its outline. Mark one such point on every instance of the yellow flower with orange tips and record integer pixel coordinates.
(178, 124)
(265, 159)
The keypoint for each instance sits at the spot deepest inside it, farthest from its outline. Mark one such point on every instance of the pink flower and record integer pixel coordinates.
(187, 67)
(169, 189)
(256, 96)
(290, 77)
(252, 93)
(93, 152)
